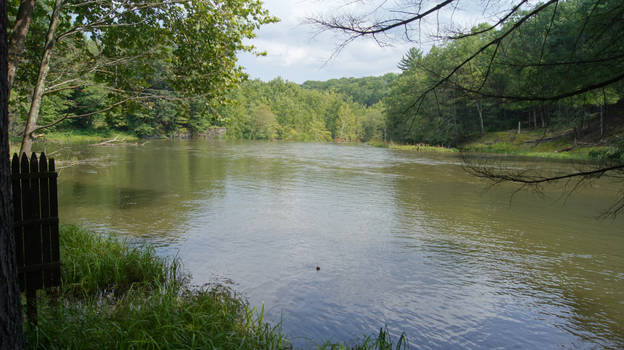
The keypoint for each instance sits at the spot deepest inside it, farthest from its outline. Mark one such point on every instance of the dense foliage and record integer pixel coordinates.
(559, 69)
(129, 61)
(366, 91)
(286, 111)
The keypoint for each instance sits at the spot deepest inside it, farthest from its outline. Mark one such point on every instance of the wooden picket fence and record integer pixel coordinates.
(36, 225)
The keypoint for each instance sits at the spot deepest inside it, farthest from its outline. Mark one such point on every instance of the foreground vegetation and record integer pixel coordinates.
(114, 296)
(117, 296)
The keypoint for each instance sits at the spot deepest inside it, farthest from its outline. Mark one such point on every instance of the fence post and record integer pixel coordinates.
(17, 217)
(54, 228)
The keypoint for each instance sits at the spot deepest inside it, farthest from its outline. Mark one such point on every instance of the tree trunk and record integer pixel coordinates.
(480, 110)
(18, 37)
(603, 112)
(44, 68)
(11, 332)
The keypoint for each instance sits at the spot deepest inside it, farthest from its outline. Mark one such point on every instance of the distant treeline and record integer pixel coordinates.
(437, 98)
(366, 91)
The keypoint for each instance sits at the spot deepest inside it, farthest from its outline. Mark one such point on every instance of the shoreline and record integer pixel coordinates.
(502, 143)
(131, 296)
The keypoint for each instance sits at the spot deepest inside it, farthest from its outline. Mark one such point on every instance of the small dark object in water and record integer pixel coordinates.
(318, 268)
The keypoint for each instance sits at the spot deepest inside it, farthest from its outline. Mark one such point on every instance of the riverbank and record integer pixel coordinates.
(78, 137)
(561, 144)
(533, 144)
(116, 296)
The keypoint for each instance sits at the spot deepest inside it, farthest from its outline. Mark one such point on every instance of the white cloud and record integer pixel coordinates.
(296, 51)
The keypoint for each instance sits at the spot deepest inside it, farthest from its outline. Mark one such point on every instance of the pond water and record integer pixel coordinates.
(403, 239)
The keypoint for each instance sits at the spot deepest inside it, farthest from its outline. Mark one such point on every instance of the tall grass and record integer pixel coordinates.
(382, 341)
(114, 296)
(94, 264)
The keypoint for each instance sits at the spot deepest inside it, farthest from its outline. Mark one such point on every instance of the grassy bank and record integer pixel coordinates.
(77, 137)
(413, 148)
(422, 148)
(554, 145)
(557, 145)
(118, 297)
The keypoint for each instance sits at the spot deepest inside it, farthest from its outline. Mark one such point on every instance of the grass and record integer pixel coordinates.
(77, 136)
(381, 341)
(528, 144)
(114, 296)
(510, 149)
(95, 264)
(422, 148)
(414, 148)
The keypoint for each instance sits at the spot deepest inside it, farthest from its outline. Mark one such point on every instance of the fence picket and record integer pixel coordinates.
(46, 246)
(17, 216)
(34, 227)
(26, 217)
(55, 276)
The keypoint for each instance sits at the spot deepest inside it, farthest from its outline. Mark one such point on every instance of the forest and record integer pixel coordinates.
(454, 93)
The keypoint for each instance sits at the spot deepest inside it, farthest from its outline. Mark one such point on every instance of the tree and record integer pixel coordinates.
(18, 37)
(11, 333)
(529, 56)
(115, 45)
(266, 126)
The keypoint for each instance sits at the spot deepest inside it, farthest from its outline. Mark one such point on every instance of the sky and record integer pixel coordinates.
(297, 52)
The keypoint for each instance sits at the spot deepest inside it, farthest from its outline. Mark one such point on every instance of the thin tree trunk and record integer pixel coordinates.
(603, 112)
(11, 331)
(18, 37)
(480, 110)
(44, 68)
(16, 43)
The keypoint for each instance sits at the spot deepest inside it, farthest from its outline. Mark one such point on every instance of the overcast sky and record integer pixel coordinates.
(297, 52)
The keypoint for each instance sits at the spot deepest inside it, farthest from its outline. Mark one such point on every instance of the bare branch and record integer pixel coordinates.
(528, 178)
(492, 27)
(354, 25)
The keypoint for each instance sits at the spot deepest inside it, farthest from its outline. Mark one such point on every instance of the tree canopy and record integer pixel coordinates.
(129, 54)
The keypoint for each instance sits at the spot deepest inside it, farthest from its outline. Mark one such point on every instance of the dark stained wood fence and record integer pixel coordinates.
(36, 225)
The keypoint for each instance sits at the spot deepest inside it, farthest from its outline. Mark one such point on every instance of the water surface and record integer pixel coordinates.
(402, 239)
